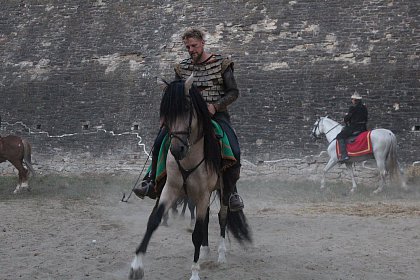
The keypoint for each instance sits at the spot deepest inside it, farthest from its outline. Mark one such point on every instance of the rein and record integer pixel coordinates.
(332, 128)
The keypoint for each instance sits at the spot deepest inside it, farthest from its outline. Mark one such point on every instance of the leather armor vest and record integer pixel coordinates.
(207, 76)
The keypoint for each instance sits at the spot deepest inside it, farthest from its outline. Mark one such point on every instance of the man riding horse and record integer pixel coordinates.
(217, 85)
(356, 121)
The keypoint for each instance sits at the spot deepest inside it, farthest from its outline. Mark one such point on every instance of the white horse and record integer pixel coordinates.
(384, 145)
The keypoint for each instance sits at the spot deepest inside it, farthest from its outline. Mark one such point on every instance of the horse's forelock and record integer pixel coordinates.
(174, 102)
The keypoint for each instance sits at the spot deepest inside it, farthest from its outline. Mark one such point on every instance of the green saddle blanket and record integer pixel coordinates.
(228, 159)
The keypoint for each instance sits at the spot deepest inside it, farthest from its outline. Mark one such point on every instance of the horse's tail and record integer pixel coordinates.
(237, 224)
(392, 160)
(27, 155)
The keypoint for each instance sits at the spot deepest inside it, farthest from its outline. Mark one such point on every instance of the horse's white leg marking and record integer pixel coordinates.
(17, 189)
(329, 165)
(25, 185)
(350, 168)
(137, 271)
(222, 251)
(195, 268)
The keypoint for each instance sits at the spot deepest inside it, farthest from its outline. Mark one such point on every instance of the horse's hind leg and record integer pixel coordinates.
(382, 175)
(184, 206)
(22, 174)
(222, 223)
(191, 207)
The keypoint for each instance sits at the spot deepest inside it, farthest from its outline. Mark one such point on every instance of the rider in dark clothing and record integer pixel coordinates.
(356, 121)
(214, 78)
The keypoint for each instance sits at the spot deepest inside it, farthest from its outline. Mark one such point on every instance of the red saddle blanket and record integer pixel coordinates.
(362, 145)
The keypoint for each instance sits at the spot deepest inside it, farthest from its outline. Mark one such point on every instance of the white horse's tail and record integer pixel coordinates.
(392, 161)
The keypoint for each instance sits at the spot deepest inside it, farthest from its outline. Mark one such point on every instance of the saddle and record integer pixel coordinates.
(353, 137)
(357, 145)
(228, 158)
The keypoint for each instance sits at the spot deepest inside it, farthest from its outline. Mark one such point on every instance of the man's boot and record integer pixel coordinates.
(147, 186)
(343, 150)
(231, 197)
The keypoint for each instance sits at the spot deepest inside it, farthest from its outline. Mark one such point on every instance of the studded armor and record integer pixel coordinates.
(207, 76)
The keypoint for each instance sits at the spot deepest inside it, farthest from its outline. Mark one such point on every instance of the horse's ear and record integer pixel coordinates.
(161, 83)
(188, 84)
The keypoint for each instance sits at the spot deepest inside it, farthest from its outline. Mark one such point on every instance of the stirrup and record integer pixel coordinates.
(343, 159)
(239, 205)
(144, 188)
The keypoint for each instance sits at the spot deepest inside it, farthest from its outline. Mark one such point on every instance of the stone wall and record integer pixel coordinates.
(78, 77)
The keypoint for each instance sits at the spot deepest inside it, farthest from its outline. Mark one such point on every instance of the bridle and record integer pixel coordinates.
(177, 134)
(317, 127)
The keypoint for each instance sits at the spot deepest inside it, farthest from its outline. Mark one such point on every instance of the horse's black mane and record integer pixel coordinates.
(176, 104)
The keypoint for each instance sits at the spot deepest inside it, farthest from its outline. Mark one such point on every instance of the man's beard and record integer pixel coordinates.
(197, 57)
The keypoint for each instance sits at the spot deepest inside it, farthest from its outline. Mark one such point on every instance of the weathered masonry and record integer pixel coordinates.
(78, 77)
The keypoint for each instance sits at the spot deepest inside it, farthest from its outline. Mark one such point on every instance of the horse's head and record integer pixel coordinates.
(317, 129)
(182, 110)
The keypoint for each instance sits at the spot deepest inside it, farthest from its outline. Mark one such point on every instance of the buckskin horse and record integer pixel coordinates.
(18, 152)
(193, 169)
(384, 151)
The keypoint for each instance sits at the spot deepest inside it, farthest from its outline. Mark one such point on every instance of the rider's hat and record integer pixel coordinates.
(356, 96)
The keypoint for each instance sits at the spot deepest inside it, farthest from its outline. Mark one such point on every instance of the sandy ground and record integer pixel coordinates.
(77, 228)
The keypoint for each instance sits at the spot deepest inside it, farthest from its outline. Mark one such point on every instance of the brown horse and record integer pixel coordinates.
(193, 169)
(17, 151)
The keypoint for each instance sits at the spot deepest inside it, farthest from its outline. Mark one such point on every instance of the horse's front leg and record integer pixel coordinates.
(137, 268)
(350, 168)
(204, 249)
(161, 207)
(200, 229)
(329, 165)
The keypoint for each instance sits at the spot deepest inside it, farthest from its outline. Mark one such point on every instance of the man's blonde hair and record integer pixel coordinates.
(193, 33)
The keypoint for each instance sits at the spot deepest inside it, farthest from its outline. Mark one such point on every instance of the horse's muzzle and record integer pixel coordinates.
(179, 151)
(314, 137)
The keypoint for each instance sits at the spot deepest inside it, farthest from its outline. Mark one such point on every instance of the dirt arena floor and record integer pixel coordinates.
(78, 228)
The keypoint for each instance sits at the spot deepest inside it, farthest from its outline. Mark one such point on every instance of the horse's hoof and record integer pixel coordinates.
(136, 274)
(221, 259)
